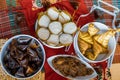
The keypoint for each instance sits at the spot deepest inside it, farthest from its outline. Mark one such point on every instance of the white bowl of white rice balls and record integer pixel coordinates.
(55, 28)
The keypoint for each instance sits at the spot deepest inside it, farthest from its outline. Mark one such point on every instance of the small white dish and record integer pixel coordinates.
(101, 57)
(93, 75)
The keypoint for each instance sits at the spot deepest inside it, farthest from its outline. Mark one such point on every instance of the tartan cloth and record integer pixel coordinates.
(13, 23)
(106, 18)
(9, 23)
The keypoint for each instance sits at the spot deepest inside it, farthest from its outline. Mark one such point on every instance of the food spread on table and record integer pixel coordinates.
(55, 28)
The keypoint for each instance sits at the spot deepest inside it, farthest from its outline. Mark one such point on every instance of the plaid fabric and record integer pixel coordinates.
(9, 25)
(106, 18)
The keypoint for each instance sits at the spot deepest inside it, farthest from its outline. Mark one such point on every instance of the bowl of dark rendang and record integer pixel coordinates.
(22, 56)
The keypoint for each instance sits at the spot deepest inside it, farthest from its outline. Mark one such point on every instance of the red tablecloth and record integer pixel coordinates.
(31, 16)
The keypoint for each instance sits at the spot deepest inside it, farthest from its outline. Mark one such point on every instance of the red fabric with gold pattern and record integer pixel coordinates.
(31, 16)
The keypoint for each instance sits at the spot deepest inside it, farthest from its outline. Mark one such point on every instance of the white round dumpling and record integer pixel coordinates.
(53, 40)
(53, 13)
(55, 27)
(64, 17)
(44, 21)
(66, 39)
(43, 33)
(70, 27)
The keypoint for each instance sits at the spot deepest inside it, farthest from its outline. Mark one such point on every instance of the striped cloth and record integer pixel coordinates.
(11, 22)
(106, 18)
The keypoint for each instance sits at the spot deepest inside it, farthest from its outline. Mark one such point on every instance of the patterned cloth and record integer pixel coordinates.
(106, 18)
(11, 22)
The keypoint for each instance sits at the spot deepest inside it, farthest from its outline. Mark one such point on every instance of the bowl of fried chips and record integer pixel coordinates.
(95, 42)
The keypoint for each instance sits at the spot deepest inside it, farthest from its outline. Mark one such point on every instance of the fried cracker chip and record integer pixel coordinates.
(83, 46)
(86, 37)
(92, 30)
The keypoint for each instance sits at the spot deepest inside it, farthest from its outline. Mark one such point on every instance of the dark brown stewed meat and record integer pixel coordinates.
(24, 57)
(70, 66)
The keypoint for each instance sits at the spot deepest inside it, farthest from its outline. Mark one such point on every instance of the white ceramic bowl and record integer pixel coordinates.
(53, 47)
(87, 77)
(101, 57)
(3, 53)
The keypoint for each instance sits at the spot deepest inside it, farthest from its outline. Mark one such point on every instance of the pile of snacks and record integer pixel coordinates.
(23, 57)
(55, 27)
(92, 43)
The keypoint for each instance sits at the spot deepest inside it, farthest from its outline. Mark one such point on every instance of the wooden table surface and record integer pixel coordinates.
(117, 53)
(115, 71)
